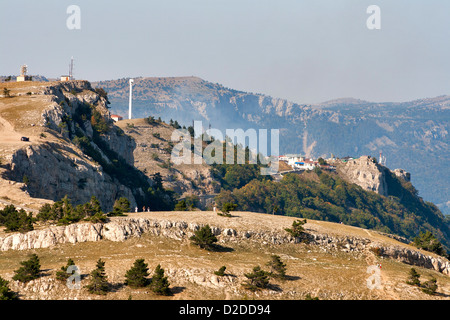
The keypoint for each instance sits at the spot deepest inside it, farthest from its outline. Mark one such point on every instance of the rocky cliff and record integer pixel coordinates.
(365, 173)
(152, 154)
(368, 174)
(55, 162)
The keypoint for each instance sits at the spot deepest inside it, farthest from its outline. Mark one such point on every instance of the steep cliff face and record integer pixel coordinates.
(365, 173)
(55, 170)
(73, 118)
(369, 175)
(153, 154)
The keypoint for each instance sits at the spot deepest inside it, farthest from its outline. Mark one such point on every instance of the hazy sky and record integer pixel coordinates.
(303, 51)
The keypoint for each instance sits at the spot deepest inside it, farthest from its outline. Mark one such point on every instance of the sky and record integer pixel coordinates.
(304, 51)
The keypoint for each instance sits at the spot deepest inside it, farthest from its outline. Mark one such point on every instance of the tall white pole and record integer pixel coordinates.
(131, 99)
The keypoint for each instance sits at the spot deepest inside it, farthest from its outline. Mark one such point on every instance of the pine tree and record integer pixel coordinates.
(181, 206)
(6, 93)
(413, 278)
(29, 271)
(297, 228)
(277, 267)
(5, 291)
(430, 286)
(121, 206)
(258, 279)
(25, 221)
(227, 207)
(137, 276)
(159, 283)
(99, 283)
(62, 274)
(429, 242)
(204, 238)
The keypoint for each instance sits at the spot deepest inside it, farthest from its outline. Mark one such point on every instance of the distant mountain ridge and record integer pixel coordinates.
(412, 135)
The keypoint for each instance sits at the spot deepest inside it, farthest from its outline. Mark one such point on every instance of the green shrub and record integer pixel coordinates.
(220, 272)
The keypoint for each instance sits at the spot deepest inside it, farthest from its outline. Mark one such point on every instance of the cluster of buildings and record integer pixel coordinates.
(298, 162)
(24, 77)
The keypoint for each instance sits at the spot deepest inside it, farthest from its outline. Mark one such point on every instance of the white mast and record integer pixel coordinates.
(131, 99)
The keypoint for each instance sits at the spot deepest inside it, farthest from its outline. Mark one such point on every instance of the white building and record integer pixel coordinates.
(306, 164)
(116, 117)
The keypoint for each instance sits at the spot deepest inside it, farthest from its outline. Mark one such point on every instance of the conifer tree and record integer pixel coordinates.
(257, 279)
(297, 228)
(99, 283)
(29, 271)
(228, 206)
(429, 242)
(5, 291)
(277, 267)
(159, 283)
(137, 276)
(413, 278)
(62, 274)
(204, 238)
(430, 286)
(121, 206)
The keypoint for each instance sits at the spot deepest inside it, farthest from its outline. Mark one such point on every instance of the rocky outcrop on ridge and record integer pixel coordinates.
(121, 229)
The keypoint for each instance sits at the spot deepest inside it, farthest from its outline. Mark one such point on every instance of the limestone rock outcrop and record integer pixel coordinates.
(369, 175)
(365, 173)
(123, 228)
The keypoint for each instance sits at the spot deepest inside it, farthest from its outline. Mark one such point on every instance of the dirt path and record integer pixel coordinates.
(7, 133)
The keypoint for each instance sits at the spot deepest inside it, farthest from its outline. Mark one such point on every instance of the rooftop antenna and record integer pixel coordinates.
(131, 99)
(23, 70)
(382, 160)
